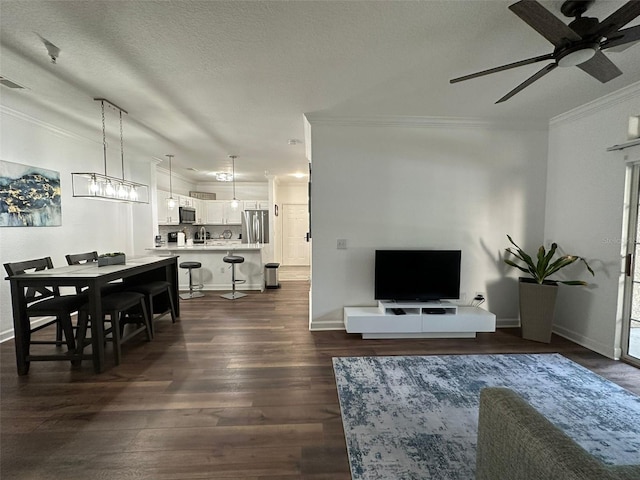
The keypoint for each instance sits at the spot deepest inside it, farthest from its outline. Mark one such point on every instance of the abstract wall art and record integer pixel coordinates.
(29, 196)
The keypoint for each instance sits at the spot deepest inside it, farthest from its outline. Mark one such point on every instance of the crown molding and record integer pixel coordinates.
(406, 121)
(623, 95)
(63, 132)
(46, 125)
(230, 184)
(165, 171)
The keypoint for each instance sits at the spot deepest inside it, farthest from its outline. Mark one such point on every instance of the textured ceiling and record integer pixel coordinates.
(205, 79)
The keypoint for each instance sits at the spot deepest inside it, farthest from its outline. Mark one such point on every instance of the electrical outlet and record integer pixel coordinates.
(221, 269)
(342, 244)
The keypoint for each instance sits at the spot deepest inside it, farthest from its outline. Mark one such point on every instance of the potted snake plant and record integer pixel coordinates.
(537, 292)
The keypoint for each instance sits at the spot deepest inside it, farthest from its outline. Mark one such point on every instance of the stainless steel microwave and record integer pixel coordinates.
(187, 215)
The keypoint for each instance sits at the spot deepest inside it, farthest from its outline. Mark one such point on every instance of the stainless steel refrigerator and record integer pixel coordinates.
(255, 226)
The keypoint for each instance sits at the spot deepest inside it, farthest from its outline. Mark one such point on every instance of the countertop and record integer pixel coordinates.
(212, 246)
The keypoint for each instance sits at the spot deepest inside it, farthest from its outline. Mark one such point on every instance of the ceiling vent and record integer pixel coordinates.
(8, 83)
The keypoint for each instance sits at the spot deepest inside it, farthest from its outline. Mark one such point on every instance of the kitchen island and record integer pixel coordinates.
(215, 274)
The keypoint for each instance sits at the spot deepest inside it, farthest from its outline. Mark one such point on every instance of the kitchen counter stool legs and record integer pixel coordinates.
(233, 259)
(192, 287)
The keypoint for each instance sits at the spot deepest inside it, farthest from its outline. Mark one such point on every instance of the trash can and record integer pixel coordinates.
(271, 275)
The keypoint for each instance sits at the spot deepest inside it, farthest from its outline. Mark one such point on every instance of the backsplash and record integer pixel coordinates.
(216, 231)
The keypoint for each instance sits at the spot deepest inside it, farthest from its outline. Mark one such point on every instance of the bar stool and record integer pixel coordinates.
(151, 290)
(192, 287)
(116, 305)
(233, 260)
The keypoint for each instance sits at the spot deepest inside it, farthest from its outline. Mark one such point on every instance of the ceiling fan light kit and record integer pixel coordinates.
(102, 186)
(578, 44)
(577, 56)
(634, 128)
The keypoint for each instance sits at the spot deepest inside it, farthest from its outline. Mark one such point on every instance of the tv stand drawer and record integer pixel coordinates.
(376, 322)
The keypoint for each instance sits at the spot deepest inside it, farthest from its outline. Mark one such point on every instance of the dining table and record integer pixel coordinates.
(91, 279)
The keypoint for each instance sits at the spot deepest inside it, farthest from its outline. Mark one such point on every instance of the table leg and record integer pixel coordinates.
(21, 327)
(171, 273)
(97, 327)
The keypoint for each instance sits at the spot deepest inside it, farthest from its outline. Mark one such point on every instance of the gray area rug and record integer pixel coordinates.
(417, 417)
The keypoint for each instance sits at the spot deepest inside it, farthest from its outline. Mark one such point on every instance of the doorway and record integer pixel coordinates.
(295, 245)
(631, 319)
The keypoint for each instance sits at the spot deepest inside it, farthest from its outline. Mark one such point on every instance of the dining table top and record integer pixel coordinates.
(91, 269)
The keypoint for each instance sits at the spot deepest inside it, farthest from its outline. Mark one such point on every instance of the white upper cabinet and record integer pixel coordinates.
(215, 212)
(256, 205)
(208, 212)
(200, 213)
(220, 212)
(166, 215)
(185, 201)
(232, 216)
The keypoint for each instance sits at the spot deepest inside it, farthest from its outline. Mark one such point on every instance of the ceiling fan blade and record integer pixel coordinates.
(529, 81)
(541, 58)
(600, 68)
(622, 37)
(618, 19)
(544, 22)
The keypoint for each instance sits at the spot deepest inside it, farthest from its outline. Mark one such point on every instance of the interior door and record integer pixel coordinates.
(295, 223)
(631, 321)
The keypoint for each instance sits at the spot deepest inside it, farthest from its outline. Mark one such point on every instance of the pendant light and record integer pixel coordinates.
(101, 186)
(234, 203)
(171, 203)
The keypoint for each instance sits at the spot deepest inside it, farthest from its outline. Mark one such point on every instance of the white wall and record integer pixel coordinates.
(430, 184)
(296, 193)
(87, 224)
(178, 185)
(585, 211)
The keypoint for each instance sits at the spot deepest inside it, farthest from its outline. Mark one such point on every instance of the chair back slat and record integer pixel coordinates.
(33, 294)
(76, 258)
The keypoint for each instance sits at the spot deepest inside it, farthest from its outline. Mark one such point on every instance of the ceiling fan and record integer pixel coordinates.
(578, 44)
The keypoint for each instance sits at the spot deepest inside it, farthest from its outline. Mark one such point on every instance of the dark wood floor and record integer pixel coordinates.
(235, 390)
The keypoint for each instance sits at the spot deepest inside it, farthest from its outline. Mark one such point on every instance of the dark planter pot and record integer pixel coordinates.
(115, 260)
(537, 308)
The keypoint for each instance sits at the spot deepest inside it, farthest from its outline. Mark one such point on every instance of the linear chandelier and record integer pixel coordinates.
(103, 186)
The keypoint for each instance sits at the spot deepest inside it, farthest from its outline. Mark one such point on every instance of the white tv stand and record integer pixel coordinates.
(420, 320)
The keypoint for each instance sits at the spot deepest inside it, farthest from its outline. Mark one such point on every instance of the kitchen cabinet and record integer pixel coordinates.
(200, 210)
(214, 212)
(232, 216)
(166, 215)
(185, 201)
(220, 212)
(256, 205)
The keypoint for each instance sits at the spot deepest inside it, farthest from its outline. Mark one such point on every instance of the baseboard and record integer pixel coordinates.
(507, 322)
(219, 287)
(319, 325)
(575, 337)
(8, 334)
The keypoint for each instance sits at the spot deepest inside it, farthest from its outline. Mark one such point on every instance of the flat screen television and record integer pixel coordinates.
(417, 275)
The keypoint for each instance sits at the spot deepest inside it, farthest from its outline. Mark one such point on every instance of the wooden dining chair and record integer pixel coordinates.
(90, 257)
(47, 302)
(77, 258)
